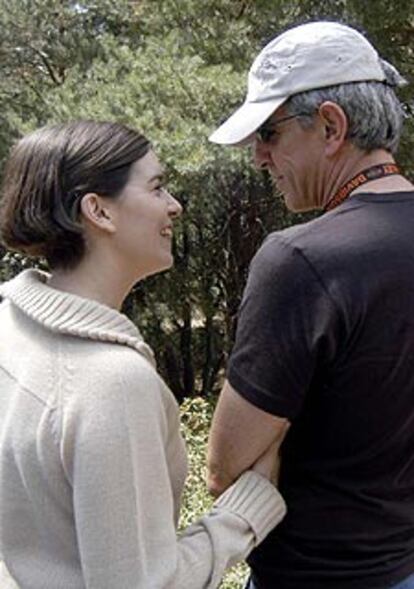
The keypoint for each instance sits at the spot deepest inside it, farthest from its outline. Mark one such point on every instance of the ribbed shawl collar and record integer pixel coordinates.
(70, 314)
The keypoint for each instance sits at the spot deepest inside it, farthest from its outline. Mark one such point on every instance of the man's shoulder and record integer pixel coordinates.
(328, 241)
(327, 233)
(297, 238)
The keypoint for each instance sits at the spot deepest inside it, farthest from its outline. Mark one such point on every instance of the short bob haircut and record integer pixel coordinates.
(46, 176)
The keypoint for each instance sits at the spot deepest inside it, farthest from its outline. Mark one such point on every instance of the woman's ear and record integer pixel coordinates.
(335, 123)
(96, 212)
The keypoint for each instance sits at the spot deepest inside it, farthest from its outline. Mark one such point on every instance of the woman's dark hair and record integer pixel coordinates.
(47, 174)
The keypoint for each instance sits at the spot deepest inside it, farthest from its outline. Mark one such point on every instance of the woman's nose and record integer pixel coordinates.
(174, 207)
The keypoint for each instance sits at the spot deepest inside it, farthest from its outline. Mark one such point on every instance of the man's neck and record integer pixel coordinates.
(355, 162)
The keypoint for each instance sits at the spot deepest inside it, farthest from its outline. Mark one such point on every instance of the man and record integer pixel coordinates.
(325, 338)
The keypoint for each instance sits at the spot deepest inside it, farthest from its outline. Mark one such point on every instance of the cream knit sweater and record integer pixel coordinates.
(92, 464)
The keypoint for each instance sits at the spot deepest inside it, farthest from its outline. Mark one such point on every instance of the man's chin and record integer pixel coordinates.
(294, 205)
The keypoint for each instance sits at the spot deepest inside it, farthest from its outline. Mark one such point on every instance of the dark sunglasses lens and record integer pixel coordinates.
(264, 133)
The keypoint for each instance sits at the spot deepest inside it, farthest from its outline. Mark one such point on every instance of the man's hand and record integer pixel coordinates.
(241, 437)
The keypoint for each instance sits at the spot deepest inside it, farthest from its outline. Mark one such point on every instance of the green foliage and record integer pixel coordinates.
(196, 417)
(175, 68)
(196, 414)
(42, 42)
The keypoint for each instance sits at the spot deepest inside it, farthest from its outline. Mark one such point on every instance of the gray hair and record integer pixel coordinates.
(375, 115)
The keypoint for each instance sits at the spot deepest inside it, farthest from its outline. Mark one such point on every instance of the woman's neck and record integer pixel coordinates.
(93, 280)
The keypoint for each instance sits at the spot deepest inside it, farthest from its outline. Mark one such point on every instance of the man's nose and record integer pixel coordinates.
(261, 154)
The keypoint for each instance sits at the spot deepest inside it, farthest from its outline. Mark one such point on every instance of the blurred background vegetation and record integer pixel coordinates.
(176, 69)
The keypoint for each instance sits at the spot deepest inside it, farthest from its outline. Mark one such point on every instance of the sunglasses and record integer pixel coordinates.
(266, 131)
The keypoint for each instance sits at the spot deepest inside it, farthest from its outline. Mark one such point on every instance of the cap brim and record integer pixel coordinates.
(244, 122)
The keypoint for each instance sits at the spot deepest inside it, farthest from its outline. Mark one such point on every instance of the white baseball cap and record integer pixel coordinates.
(310, 56)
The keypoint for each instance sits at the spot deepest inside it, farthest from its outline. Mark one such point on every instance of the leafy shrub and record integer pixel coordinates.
(196, 414)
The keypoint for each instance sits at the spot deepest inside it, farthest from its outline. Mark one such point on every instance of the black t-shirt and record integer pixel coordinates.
(326, 338)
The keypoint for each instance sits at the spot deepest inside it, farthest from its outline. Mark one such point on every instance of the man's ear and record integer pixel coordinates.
(335, 125)
(96, 212)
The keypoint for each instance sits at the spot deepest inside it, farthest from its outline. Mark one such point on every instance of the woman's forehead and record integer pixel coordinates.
(147, 167)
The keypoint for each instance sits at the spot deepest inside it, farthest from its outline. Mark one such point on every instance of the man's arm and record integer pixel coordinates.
(240, 434)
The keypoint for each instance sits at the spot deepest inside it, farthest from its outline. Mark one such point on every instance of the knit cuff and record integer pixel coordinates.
(6, 580)
(257, 501)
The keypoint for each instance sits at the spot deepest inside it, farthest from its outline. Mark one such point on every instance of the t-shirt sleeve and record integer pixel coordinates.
(287, 332)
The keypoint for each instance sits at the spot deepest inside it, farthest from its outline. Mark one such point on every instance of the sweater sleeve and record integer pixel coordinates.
(238, 522)
(114, 448)
(6, 580)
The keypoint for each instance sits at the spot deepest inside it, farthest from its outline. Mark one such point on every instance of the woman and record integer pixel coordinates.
(92, 464)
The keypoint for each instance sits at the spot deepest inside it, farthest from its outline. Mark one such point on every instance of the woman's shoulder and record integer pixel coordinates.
(110, 373)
